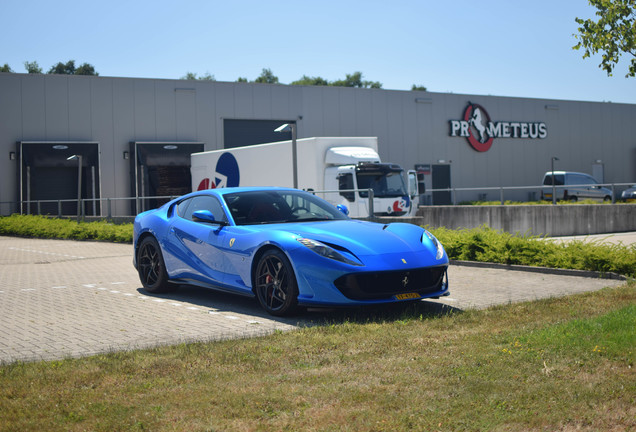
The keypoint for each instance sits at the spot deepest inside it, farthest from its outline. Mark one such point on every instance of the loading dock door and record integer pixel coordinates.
(46, 175)
(239, 133)
(441, 180)
(160, 170)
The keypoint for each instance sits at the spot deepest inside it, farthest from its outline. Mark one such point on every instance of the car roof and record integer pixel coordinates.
(565, 172)
(228, 190)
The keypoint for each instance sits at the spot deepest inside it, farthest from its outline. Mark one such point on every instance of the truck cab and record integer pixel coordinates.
(392, 196)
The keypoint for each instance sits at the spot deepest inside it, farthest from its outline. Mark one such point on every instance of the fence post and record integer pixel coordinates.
(39, 208)
(59, 208)
(371, 209)
(613, 197)
(454, 196)
(110, 214)
(501, 194)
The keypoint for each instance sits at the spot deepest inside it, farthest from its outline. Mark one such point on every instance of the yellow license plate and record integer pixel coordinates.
(407, 296)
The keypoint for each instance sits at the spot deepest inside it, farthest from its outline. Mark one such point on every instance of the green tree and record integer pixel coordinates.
(418, 88)
(193, 76)
(67, 68)
(6, 68)
(305, 80)
(267, 77)
(241, 79)
(612, 35)
(86, 69)
(32, 67)
(355, 80)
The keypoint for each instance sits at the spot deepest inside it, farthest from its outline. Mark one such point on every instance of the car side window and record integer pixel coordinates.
(345, 181)
(204, 202)
(577, 179)
(183, 206)
(558, 180)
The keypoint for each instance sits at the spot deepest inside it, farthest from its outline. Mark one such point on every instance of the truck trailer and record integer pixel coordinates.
(342, 170)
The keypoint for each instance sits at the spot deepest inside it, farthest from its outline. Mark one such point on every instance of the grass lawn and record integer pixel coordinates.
(557, 364)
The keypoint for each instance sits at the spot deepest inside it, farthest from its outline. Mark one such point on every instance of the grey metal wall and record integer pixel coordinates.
(412, 127)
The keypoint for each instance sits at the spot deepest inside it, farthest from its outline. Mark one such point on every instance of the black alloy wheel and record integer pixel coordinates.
(151, 268)
(275, 284)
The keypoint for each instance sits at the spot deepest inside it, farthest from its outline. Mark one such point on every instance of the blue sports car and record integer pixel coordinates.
(287, 248)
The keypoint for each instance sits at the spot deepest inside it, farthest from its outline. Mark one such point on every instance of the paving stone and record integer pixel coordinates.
(62, 299)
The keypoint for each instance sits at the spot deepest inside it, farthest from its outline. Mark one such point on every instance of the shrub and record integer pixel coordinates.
(488, 245)
(45, 227)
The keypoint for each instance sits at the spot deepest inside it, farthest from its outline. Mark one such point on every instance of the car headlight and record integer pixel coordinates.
(438, 245)
(326, 251)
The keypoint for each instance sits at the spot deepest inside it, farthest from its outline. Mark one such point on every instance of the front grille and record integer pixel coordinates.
(384, 285)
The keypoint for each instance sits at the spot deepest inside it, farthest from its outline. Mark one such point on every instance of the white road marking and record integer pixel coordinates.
(157, 300)
(45, 253)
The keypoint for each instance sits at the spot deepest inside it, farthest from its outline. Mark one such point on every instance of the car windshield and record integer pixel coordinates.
(279, 206)
(384, 184)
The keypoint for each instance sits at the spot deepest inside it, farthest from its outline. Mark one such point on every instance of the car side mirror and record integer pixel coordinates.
(343, 209)
(205, 216)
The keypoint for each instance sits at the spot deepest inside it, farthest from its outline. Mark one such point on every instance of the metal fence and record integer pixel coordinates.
(616, 188)
(105, 207)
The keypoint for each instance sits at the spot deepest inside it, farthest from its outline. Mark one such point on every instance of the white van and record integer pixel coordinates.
(574, 186)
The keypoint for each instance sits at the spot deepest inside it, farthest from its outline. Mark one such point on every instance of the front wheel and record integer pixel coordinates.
(275, 284)
(151, 267)
(607, 198)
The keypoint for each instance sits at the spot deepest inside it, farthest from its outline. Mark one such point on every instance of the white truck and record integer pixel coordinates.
(340, 169)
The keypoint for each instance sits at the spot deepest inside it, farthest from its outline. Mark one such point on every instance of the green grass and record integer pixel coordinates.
(561, 202)
(557, 364)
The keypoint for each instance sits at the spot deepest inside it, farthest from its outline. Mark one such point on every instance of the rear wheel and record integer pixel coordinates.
(275, 284)
(607, 198)
(151, 267)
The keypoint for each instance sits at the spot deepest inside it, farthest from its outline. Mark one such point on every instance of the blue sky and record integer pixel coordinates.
(488, 47)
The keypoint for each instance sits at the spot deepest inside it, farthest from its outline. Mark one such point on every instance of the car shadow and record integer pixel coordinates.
(219, 301)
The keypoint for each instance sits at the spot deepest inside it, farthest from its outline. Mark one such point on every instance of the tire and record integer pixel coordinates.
(151, 267)
(572, 198)
(607, 198)
(275, 284)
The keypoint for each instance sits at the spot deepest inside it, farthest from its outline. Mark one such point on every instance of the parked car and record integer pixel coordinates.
(574, 186)
(629, 194)
(287, 248)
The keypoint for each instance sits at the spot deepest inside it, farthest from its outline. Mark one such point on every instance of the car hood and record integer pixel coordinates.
(359, 237)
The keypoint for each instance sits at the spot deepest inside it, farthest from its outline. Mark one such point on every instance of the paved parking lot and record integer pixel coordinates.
(62, 298)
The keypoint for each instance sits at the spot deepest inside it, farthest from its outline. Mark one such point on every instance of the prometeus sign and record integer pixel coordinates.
(480, 131)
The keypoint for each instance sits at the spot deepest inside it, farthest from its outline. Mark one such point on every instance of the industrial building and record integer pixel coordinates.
(135, 136)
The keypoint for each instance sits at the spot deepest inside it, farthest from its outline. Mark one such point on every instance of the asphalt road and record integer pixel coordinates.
(62, 298)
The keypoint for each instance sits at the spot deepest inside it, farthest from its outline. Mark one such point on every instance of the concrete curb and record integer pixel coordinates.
(544, 270)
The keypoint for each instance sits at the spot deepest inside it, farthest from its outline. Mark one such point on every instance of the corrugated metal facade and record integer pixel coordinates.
(412, 127)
